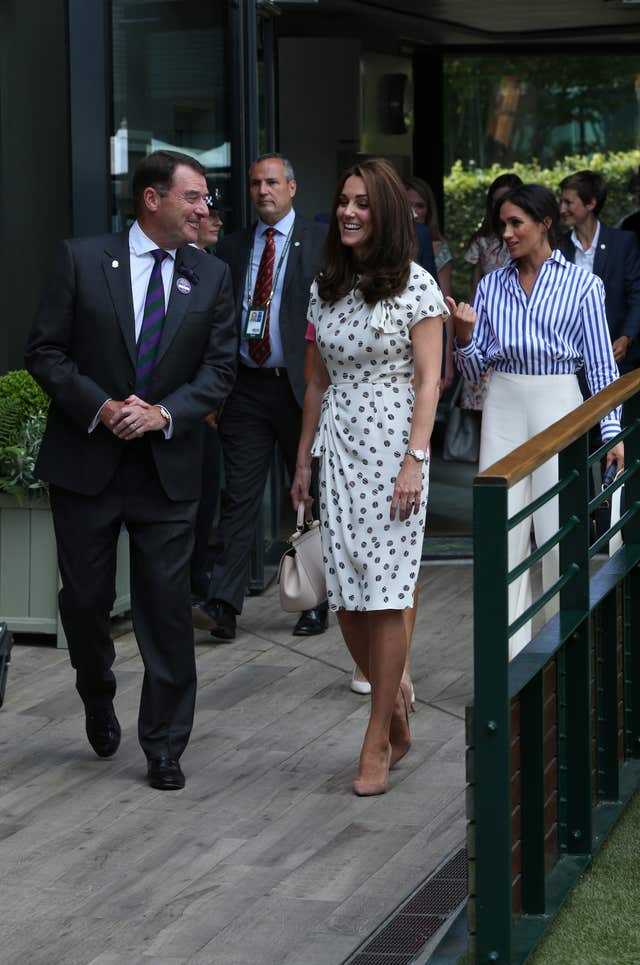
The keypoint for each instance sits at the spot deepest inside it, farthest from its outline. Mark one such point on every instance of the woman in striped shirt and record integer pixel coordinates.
(535, 322)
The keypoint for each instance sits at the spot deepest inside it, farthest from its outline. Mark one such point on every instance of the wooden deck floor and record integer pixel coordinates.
(266, 857)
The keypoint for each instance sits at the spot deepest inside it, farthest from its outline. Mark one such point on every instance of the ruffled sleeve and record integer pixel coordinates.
(421, 299)
(431, 302)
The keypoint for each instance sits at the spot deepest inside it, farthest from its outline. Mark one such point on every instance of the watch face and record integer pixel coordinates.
(417, 454)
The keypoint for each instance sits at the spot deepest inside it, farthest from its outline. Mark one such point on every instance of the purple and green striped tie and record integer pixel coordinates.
(152, 322)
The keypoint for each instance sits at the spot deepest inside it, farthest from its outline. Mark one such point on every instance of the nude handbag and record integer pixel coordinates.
(301, 577)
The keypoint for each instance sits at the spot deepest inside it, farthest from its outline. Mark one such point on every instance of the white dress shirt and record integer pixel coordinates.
(559, 327)
(584, 259)
(282, 229)
(141, 263)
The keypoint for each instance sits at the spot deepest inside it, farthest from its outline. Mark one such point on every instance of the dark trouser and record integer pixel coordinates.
(260, 411)
(211, 452)
(161, 541)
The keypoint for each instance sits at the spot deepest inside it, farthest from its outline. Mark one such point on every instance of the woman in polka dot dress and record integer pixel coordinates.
(368, 415)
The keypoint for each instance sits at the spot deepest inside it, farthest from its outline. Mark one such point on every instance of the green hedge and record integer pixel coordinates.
(465, 192)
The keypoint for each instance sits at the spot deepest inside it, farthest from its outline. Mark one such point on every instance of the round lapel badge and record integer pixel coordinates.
(183, 285)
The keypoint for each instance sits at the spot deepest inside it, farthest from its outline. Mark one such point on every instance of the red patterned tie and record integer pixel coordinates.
(260, 348)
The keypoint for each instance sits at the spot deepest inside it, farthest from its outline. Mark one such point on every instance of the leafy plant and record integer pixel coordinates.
(465, 192)
(23, 415)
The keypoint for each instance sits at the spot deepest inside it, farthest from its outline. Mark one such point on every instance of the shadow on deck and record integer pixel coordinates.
(266, 857)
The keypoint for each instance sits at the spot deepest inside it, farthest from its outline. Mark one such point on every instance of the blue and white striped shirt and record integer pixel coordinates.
(554, 331)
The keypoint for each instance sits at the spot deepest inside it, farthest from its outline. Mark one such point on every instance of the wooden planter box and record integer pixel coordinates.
(29, 578)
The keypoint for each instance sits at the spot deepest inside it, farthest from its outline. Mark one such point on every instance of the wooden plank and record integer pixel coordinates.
(266, 855)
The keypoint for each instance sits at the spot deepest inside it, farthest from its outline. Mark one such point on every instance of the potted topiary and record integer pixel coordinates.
(29, 578)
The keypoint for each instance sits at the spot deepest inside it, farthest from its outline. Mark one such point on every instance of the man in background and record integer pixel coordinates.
(273, 264)
(611, 254)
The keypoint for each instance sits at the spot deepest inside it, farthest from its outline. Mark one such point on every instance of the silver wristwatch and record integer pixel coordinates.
(418, 454)
(165, 413)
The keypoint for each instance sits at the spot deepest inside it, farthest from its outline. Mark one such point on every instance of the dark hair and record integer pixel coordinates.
(422, 188)
(289, 173)
(508, 181)
(587, 185)
(384, 266)
(156, 171)
(538, 202)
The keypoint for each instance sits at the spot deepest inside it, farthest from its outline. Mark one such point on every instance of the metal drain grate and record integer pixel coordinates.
(405, 933)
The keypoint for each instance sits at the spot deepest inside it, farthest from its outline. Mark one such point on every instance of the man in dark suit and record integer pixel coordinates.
(130, 382)
(272, 264)
(611, 254)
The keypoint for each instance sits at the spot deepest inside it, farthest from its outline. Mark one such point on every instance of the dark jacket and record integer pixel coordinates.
(425, 256)
(82, 351)
(303, 264)
(617, 262)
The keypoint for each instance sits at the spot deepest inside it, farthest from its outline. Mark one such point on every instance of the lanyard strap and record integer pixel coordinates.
(277, 274)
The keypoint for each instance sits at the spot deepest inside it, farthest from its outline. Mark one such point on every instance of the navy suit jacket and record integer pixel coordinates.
(82, 351)
(617, 262)
(425, 256)
(303, 264)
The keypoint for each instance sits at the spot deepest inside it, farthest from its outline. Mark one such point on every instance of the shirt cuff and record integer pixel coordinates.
(466, 350)
(167, 432)
(96, 418)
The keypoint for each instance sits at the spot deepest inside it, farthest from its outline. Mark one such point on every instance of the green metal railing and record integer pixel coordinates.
(591, 725)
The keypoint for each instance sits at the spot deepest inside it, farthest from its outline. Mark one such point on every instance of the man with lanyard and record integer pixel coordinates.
(610, 253)
(273, 264)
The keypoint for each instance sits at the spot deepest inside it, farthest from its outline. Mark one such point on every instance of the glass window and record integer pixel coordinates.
(503, 108)
(169, 90)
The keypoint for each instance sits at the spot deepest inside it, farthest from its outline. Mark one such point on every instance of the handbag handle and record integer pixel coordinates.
(300, 524)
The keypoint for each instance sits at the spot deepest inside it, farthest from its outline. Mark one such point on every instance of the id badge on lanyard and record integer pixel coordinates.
(256, 318)
(255, 321)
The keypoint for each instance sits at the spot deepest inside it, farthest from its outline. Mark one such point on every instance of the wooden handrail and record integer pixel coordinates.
(523, 460)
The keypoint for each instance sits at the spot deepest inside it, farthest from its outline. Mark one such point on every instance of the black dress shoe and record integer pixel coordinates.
(165, 774)
(311, 622)
(223, 619)
(218, 617)
(103, 729)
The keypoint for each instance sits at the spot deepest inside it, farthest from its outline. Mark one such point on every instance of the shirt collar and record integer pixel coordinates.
(594, 244)
(283, 226)
(556, 257)
(141, 244)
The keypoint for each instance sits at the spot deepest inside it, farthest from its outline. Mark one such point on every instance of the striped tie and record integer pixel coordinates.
(152, 322)
(260, 348)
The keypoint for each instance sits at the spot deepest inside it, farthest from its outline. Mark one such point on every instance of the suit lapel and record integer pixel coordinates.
(602, 251)
(115, 264)
(567, 248)
(294, 261)
(178, 300)
(239, 265)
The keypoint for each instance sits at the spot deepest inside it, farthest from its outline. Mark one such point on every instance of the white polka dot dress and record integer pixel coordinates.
(371, 562)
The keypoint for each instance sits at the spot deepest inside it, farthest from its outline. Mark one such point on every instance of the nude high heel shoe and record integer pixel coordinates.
(364, 788)
(403, 744)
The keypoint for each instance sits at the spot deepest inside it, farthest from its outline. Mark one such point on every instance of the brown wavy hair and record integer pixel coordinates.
(384, 264)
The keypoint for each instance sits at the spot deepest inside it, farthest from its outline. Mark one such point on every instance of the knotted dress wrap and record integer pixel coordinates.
(371, 562)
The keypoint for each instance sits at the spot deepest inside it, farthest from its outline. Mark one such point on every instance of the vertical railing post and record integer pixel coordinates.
(532, 795)
(607, 699)
(632, 586)
(574, 750)
(492, 726)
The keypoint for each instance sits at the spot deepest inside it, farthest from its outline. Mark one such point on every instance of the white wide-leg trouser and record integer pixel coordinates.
(516, 408)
